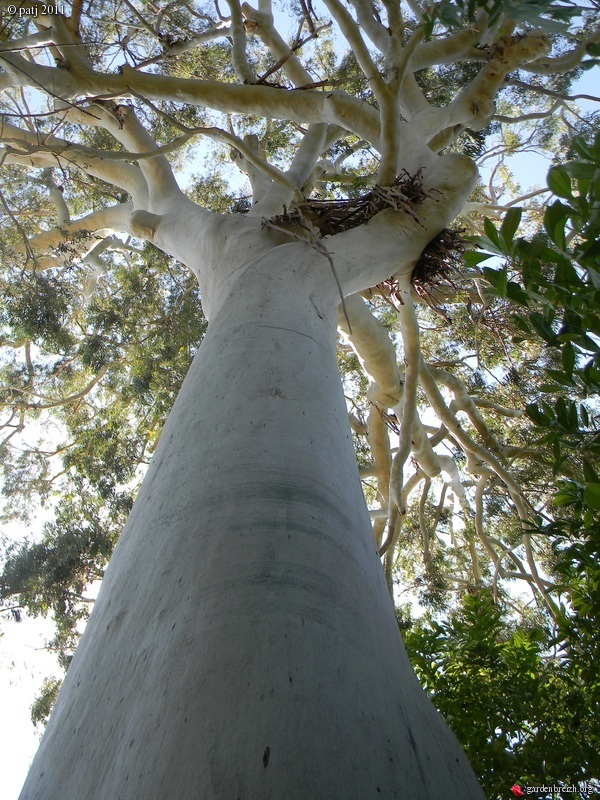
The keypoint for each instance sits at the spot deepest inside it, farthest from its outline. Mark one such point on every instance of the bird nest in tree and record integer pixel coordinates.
(329, 217)
(438, 261)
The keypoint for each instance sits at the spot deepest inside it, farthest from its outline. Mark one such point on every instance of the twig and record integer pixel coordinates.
(317, 245)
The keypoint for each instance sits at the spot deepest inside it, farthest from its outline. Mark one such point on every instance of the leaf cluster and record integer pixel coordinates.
(522, 713)
(555, 283)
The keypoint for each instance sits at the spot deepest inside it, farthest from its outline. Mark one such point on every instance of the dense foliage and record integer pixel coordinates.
(524, 697)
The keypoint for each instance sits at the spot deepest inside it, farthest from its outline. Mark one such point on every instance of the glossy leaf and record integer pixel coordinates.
(560, 182)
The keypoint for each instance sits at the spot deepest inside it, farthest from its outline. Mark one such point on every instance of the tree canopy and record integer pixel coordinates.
(471, 389)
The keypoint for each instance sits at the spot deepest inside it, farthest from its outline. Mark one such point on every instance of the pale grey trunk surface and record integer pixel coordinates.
(244, 644)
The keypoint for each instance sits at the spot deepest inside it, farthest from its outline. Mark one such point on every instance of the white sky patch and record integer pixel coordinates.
(24, 663)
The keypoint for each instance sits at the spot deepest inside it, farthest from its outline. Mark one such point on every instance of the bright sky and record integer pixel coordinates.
(24, 663)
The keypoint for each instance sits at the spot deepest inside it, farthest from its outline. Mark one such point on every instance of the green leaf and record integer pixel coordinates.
(428, 26)
(590, 344)
(551, 256)
(515, 293)
(492, 233)
(563, 499)
(542, 327)
(585, 417)
(566, 414)
(594, 274)
(550, 25)
(557, 455)
(580, 170)
(591, 495)
(520, 323)
(584, 414)
(560, 377)
(568, 358)
(591, 253)
(473, 257)
(509, 225)
(568, 333)
(579, 144)
(535, 414)
(550, 388)
(565, 276)
(498, 278)
(495, 12)
(449, 15)
(589, 473)
(555, 219)
(502, 281)
(559, 182)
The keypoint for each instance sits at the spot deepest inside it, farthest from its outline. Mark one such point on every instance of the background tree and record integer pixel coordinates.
(352, 179)
(544, 676)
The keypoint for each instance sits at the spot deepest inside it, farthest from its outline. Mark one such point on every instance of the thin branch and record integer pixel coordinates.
(528, 117)
(409, 328)
(239, 57)
(531, 87)
(50, 403)
(353, 36)
(283, 60)
(261, 24)
(26, 243)
(221, 30)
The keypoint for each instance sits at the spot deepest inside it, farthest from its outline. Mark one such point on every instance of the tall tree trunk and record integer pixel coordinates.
(243, 644)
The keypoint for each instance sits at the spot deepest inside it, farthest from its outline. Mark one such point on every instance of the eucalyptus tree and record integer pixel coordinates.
(243, 642)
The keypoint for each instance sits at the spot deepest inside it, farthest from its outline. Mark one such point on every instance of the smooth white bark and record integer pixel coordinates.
(244, 643)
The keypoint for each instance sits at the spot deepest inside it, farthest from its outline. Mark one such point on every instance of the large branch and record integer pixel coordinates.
(372, 25)
(409, 328)
(81, 235)
(238, 35)
(30, 42)
(371, 342)
(124, 125)
(449, 49)
(261, 24)
(296, 105)
(474, 106)
(548, 65)
(283, 192)
(43, 150)
(353, 36)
